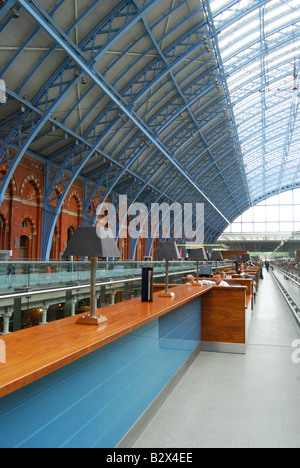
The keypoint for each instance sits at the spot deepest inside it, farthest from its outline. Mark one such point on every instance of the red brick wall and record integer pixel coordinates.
(22, 211)
(21, 215)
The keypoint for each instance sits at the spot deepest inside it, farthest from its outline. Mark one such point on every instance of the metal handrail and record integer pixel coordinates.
(18, 278)
(289, 275)
(292, 302)
(87, 285)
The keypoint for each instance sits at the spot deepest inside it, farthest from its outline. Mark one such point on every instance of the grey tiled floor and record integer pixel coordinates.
(238, 401)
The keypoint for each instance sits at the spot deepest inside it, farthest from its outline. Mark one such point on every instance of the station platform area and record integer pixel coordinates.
(235, 400)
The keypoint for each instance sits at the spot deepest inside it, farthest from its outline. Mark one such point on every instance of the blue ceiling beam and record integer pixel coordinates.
(167, 155)
(95, 76)
(239, 14)
(251, 57)
(47, 115)
(209, 15)
(6, 8)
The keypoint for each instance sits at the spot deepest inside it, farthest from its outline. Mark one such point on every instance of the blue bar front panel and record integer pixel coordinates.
(94, 401)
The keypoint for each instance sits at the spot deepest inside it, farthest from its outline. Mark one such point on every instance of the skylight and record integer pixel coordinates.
(259, 43)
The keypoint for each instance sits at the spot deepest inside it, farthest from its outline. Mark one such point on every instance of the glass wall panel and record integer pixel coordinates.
(247, 217)
(272, 227)
(286, 227)
(247, 227)
(272, 214)
(286, 198)
(297, 226)
(259, 213)
(286, 213)
(279, 213)
(236, 227)
(272, 201)
(297, 213)
(297, 196)
(259, 227)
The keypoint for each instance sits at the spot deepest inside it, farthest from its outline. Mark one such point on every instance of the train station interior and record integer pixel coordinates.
(149, 224)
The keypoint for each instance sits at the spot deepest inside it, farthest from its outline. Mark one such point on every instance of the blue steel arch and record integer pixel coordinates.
(32, 136)
(117, 179)
(193, 134)
(57, 79)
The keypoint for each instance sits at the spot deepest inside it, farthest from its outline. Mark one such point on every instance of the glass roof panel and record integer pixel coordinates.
(259, 42)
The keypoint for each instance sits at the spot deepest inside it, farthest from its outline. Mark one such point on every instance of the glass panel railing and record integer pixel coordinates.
(33, 293)
(290, 287)
(46, 275)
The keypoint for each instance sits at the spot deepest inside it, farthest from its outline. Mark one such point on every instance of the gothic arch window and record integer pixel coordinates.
(74, 202)
(31, 189)
(2, 232)
(12, 187)
(24, 247)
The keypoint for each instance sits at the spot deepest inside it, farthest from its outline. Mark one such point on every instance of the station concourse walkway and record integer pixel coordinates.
(238, 401)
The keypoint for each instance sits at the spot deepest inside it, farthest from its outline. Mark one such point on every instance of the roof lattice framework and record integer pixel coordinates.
(162, 100)
(260, 48)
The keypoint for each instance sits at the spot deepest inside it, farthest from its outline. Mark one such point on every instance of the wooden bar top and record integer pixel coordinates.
(35, 352)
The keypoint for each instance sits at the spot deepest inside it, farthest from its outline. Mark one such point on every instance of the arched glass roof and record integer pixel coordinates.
(259, 42)
(162, 100)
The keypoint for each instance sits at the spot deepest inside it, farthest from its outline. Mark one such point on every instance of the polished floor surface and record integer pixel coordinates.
(238, 401)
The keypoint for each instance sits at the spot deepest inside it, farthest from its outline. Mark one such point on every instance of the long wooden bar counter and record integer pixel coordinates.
(70, 385)
(37, 351)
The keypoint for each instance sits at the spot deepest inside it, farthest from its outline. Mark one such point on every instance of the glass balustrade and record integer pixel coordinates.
(33, 293)
(16, 276)
(290, 285)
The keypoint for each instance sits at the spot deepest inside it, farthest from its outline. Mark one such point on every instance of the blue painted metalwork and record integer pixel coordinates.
(189, 143)
(136, 123)
(265, 51)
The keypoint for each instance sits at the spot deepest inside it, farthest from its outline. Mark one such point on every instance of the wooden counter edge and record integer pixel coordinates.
(167, 305)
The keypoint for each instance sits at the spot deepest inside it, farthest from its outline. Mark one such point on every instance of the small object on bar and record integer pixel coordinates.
(91, 319)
